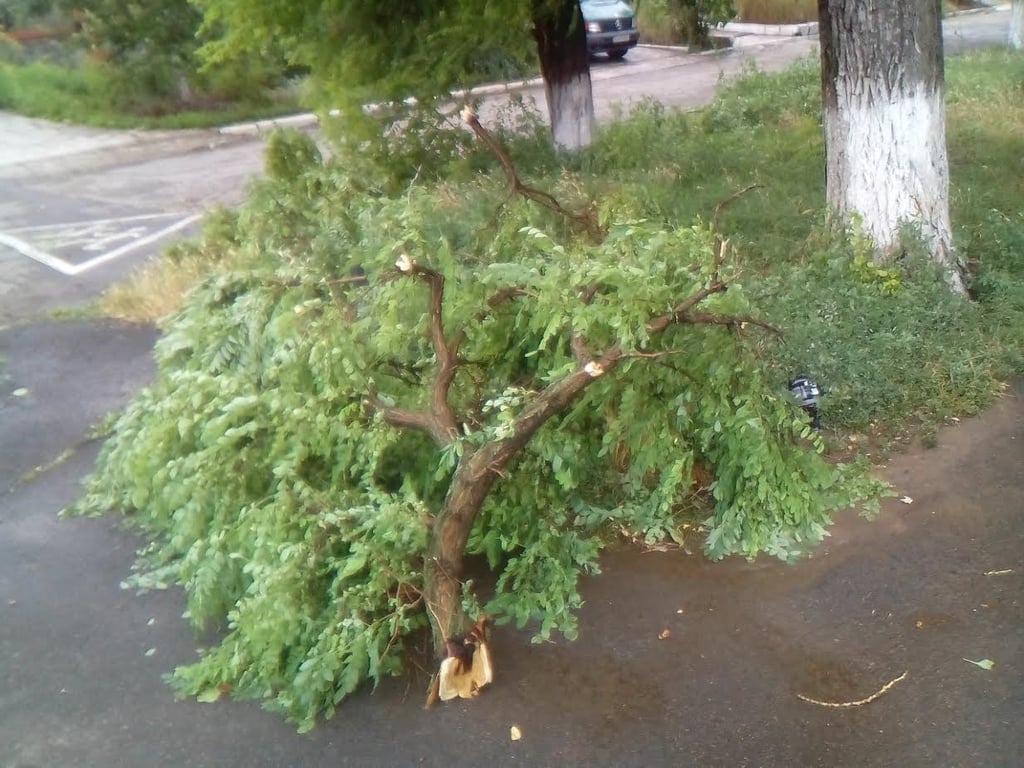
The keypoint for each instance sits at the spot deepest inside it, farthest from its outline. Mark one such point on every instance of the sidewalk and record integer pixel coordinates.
(33, 147)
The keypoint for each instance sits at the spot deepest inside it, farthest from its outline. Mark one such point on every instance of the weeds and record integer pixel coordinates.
(91, 92)
(888, 343)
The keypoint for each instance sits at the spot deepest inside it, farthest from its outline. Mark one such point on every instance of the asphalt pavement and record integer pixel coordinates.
(918, 591)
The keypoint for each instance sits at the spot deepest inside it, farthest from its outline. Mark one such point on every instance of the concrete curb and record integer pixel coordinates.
(805, 29)
(257, 127)
(310, 119)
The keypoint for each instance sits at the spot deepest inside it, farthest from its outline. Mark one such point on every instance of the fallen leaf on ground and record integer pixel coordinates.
(984, 663)
(514, 733)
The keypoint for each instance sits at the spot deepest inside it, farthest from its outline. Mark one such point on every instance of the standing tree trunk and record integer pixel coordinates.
(565, 64)
(1017, 24)
(884, 123)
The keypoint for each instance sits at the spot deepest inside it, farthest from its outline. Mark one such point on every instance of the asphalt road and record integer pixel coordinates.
(680, 662)
(80, 208)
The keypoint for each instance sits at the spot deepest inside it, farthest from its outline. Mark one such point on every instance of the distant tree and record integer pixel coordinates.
(371, 50)
(153, 43)
(884, 119)
(131, 32)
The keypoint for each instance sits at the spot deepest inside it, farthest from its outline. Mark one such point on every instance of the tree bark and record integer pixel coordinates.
(474, 477)
(565, 65)
(1016, 38)
(884, 123)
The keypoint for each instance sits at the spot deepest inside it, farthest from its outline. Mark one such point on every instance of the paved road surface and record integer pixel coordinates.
(81, 660)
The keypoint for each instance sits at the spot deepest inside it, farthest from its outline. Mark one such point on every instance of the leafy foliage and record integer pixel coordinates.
(298, 520)
(681, 21)
(361, 51)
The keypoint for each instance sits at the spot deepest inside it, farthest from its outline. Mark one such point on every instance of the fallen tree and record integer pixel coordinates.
(392, 385)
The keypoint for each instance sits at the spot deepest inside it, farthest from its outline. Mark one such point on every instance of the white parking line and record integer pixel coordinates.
(92, 222)
(67, 268)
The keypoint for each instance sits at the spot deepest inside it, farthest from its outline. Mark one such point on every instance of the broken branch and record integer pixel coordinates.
(516, 184)
(720, 206)
(680, 312)
(859, 702)
(440, 422)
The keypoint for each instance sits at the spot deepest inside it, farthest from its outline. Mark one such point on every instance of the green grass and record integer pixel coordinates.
(914, 358)
(894, 350)
(93, 93)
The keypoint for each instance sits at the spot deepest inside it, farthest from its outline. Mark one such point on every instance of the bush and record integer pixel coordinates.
(671, 22)
(776, 11)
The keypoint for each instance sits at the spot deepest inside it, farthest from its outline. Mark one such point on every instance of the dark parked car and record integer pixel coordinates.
(611, 27)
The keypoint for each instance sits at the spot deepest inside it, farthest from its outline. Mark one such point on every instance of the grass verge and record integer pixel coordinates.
(93, 93)
(894, 353)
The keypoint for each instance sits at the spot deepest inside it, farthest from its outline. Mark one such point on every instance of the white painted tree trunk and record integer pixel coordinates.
(565, 64)
(1017, 24)
(884, 123)
(571, 106)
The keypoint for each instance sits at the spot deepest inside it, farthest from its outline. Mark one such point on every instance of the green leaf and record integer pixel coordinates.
(984, 663)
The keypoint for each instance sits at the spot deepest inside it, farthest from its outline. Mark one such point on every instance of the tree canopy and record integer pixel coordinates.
(361, 50)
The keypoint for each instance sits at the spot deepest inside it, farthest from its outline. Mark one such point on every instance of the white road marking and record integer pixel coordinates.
(75, 231)
(27, 249)
(71, 225)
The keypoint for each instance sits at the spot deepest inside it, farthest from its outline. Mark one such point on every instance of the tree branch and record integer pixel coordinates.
(516, 185)
(680, 310)
(720, 206)
(721, 243)
(439, 422)
(713, 318)
(557, 395)
(405, 418)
